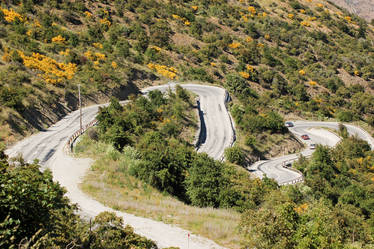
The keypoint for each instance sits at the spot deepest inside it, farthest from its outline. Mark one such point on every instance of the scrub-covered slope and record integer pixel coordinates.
(302, 58)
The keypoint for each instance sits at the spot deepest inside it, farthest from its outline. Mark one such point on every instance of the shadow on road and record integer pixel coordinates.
(202, 135)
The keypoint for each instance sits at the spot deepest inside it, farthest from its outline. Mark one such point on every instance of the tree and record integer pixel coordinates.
(165, 163)
(182, 93)
(34, 213)
(270, 227)
(109, 233)
(238, 86)
(29, 201)
(203, 182)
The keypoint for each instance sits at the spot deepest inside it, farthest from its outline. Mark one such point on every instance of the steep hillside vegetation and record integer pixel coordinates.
(303, 58)
(362, 8)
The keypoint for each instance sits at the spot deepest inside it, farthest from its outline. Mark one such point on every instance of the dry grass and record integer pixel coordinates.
(110, 183)
(269, 145)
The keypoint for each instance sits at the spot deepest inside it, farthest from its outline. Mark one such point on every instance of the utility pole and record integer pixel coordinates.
(80, 106)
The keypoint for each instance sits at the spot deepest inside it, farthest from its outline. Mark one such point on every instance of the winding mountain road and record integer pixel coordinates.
(216, 133)
(273, 168)
(48, 147)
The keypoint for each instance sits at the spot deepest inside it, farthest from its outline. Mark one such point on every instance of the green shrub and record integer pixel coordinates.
(235, 155)
(204, 181)
(345, 116)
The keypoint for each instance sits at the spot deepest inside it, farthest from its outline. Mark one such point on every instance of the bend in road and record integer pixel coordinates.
(274, 168)
(47, 147)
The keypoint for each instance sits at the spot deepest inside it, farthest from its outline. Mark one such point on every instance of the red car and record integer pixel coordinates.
(305, 137)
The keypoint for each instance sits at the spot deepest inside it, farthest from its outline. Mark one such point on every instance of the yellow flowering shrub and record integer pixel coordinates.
(168, 72)
(88, 14)
(36, 24)
(97, 45)
(105, 21)
(339, 13)
(302, 11)
(305, 24)
(114, 64)
(267, 37)
(6, 57)
(100, 56)
(252, 10)
(320, 5)
(301, 208)
(158, 49)
(234, 45)
(250, 68)
(249, 39)
(260, 45)
(291, 16)
(312, 18)
(54, 71)
(194, 7)
(29, 32)
(58, 39)
(65, 53)
(357, 73)
(10, 15)
(182, 19)
(312, 83)
(245, 75)
(348, 18)
(88, 54)
(213, 64)
(95, 56)
(302, 72)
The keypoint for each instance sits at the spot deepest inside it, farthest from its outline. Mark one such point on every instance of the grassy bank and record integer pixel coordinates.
(111, 183)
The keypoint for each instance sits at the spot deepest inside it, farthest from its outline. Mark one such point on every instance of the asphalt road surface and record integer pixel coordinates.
(217, 130)
(48, 147)
(274, 168)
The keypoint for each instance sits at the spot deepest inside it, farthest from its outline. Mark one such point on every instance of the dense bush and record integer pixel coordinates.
(235, 155)
(35, 213)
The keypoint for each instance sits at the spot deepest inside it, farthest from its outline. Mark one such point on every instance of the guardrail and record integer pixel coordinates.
(73, 138)
(297, 180)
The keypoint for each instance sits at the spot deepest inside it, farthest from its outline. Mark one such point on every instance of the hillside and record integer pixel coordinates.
(302, 59)
(362, 8)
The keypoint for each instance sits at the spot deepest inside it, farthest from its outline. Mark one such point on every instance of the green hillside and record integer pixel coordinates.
(306, 59)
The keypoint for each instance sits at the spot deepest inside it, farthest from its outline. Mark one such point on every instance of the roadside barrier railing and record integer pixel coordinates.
(73, 138)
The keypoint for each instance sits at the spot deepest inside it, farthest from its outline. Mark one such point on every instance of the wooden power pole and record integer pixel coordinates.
(80, 106)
